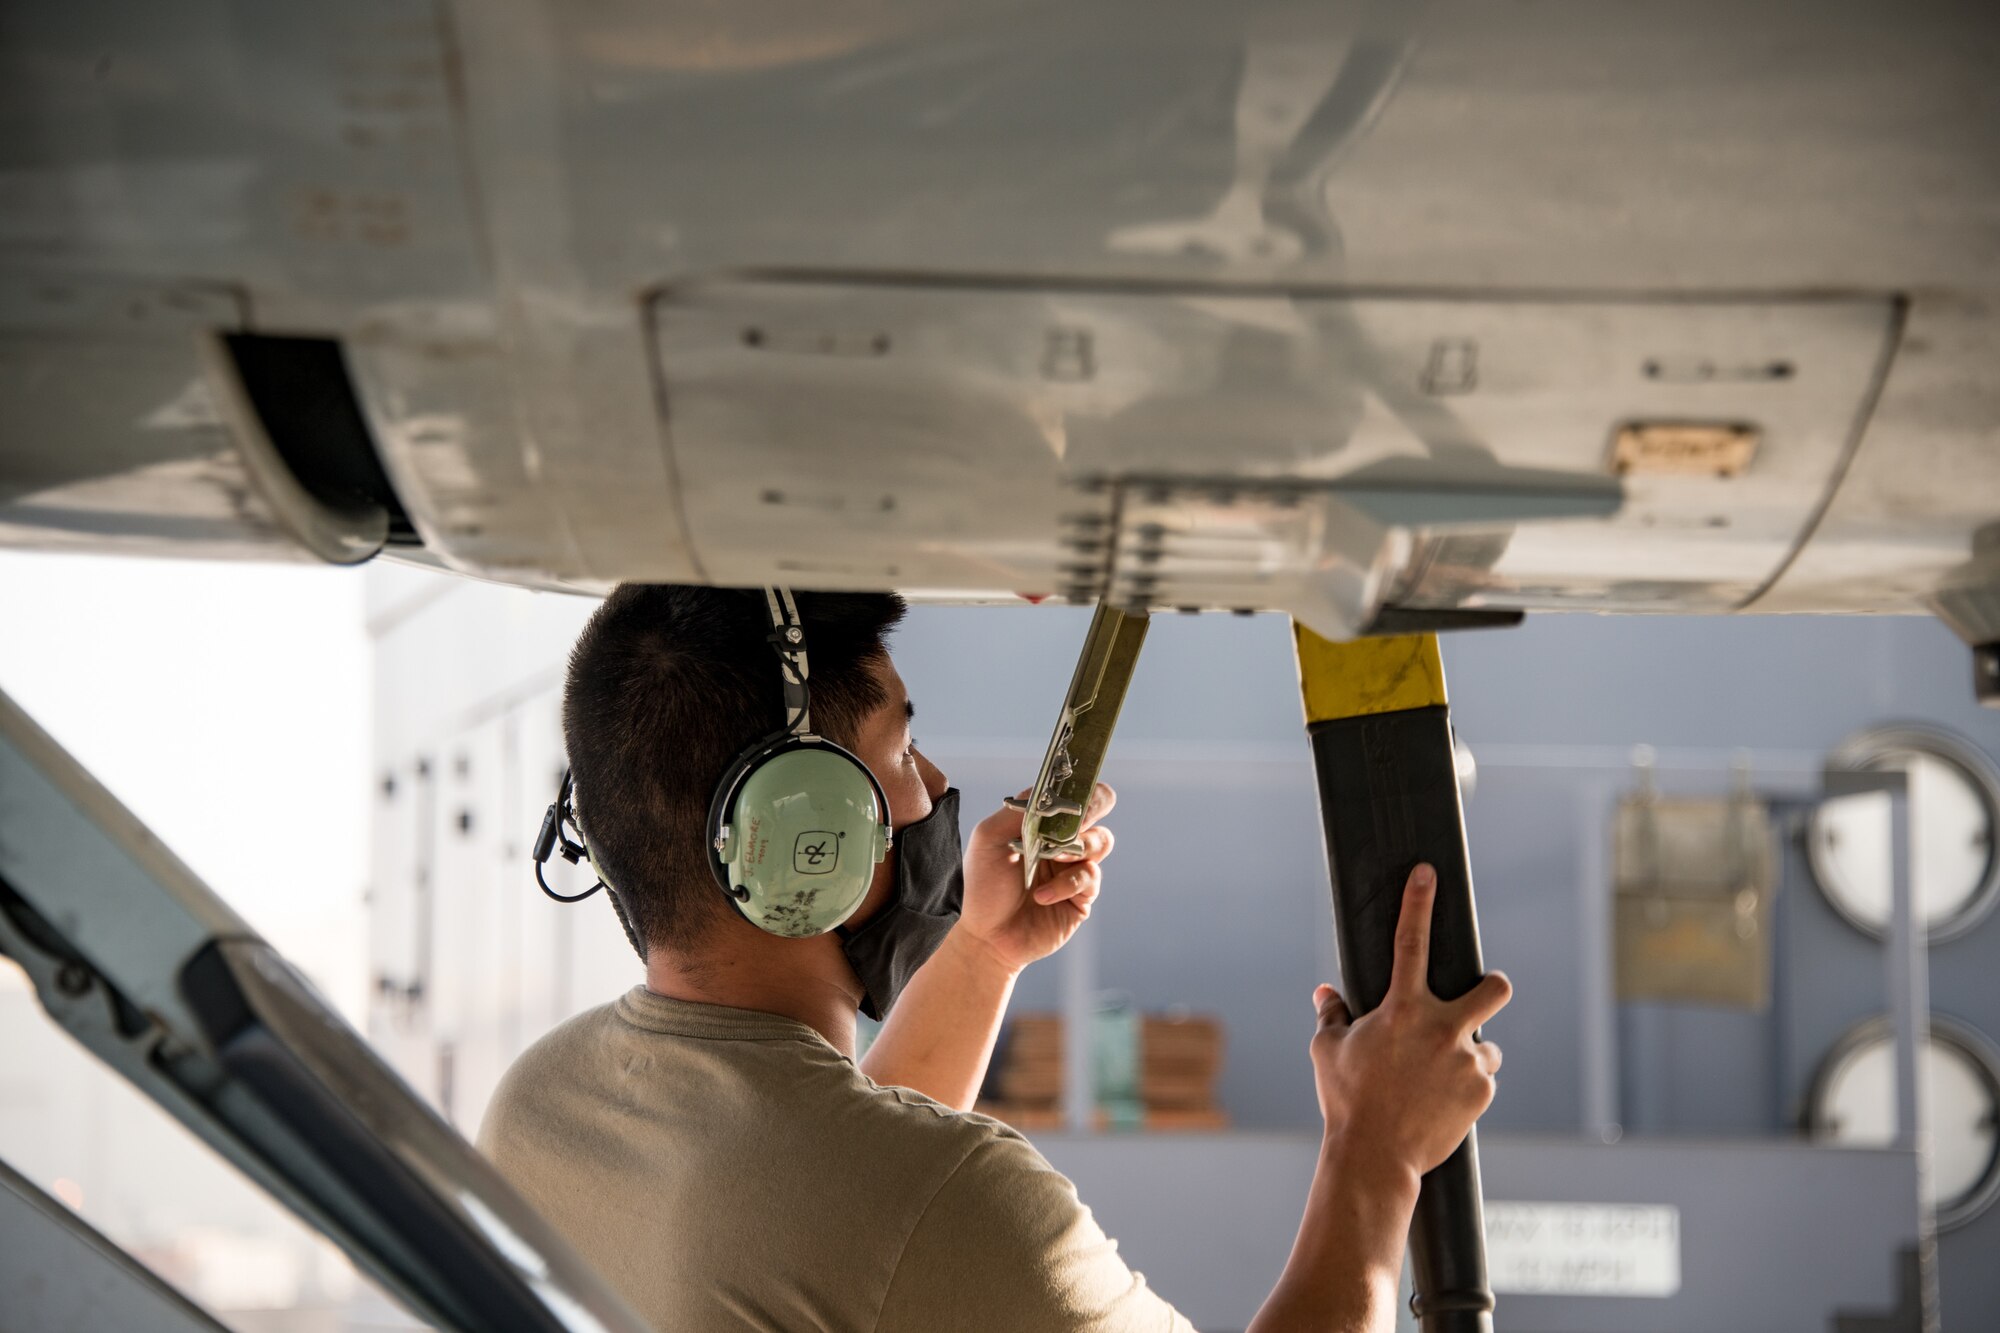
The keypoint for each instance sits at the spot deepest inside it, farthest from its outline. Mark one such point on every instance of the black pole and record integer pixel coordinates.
(1389, 800)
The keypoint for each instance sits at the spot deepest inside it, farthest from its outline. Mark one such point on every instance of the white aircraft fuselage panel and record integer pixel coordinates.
(1161, 280)
(1189, 446)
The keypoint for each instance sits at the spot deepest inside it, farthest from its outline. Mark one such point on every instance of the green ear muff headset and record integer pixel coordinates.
(797, 824)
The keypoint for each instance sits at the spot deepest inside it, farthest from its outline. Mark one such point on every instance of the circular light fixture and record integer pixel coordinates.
(1853, 1103)
(1954, 810)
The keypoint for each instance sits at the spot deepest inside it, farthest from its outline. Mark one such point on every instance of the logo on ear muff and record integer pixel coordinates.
(816, 853)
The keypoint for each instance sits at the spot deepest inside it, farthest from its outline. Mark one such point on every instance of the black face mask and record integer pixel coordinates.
(930, 887)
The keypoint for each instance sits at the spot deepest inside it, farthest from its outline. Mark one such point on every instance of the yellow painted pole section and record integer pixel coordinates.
(1366, 676)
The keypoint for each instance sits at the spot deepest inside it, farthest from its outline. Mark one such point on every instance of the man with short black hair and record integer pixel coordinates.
(708, 1140)
(666, 685)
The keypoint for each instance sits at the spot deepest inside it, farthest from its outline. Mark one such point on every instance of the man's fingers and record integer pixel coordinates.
(1102, 798)
(1331, 1007)
(1413, 934)
(1097, 844)
(1069, 882)
(1085, 898)
(988, 844)
(1488, 998)
(1488, 1056)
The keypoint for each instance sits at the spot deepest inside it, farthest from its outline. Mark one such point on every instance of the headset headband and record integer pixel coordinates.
(788, 637)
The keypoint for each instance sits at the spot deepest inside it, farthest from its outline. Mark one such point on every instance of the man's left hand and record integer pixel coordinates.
(1016, 924)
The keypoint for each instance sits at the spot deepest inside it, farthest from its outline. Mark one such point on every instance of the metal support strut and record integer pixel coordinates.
(1388, 796)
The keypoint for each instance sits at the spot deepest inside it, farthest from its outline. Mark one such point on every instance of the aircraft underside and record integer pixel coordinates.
(1377, 314)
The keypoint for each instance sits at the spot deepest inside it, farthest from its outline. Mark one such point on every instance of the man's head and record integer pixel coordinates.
(668, 684)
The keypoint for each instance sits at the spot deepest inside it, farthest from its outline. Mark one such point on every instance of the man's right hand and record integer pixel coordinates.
(1399, 1088)
(1403, 1084)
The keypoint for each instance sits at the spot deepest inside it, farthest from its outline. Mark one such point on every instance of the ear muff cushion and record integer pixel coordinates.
(722, 804)
(806, 825)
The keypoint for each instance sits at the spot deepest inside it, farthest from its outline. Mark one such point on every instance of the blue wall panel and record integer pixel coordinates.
(1217, 892)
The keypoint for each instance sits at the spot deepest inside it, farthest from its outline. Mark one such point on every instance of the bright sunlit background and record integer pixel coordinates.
(228, 707)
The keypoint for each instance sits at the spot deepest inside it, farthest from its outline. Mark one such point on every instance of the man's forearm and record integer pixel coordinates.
(1347, 1262)
(939, 1037)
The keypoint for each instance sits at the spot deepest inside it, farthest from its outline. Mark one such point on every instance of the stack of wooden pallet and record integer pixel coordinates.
(1166, 1083)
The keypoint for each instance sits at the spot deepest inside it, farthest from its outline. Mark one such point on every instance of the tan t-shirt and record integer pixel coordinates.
(726, 1168)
